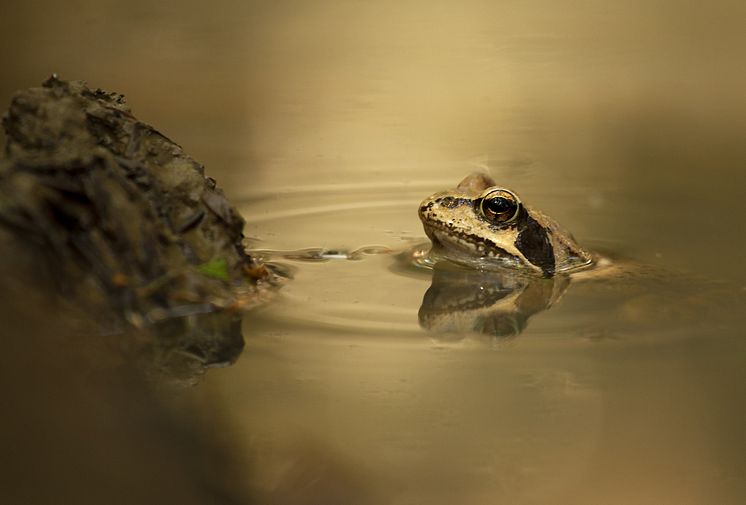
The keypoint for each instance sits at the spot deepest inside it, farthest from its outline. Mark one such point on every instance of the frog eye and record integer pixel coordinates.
(499, 206)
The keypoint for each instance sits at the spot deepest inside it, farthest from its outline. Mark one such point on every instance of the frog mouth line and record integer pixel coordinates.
(474, 302)
(436, 233)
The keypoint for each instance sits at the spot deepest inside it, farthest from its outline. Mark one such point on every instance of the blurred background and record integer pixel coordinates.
(626, 121)
(596, 97)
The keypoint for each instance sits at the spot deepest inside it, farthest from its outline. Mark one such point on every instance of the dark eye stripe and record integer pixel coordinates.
(534, 243)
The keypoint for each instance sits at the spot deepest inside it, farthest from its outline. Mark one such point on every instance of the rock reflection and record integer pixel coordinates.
(182, 349)
(493, 303)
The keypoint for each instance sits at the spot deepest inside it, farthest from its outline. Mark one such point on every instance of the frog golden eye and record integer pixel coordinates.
(499, 206)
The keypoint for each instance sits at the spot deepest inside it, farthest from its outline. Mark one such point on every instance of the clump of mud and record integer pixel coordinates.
(114, 219)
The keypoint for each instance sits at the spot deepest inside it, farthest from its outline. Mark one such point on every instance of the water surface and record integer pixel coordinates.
(340, 388)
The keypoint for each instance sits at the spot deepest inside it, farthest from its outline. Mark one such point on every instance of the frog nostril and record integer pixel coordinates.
(425, 207)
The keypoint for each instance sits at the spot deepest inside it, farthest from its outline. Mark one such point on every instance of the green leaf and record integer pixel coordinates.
(216, 268)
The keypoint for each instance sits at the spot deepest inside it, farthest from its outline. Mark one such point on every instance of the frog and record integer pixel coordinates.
(488, 227)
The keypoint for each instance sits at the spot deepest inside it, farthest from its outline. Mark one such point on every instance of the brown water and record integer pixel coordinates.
(327, 123)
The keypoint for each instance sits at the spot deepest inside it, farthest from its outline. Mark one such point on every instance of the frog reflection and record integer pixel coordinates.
(493, 303)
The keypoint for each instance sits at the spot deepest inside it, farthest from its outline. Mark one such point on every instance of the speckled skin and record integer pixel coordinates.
(531, 241)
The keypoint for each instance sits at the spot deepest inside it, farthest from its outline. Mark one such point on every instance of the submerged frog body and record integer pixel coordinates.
(485, 226)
